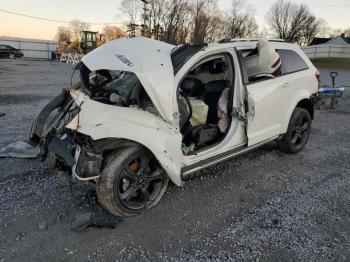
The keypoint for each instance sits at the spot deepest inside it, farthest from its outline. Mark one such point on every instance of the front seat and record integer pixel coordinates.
(213, 91)
(191, 86)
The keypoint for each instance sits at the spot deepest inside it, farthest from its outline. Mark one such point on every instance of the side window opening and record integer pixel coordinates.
(291, 62)
(261, 62)
(204, 99)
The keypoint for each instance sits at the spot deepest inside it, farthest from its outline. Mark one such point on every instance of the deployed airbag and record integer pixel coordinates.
(199, 112)
(263, 60)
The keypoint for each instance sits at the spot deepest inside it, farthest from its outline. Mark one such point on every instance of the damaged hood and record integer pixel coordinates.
(148, 59)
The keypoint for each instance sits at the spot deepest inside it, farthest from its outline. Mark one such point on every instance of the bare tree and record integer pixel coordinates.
(77, 26)
(335, 32)
(63, 34)
(325, 29)
(215, 29)
(169, 20)
(240, 21)
(292, 22)
(157, 16)
(113, 32)
(180, 21)
(347, 32)
(310, 32)
(133, 29)
(132, 9)
(205, 13)
(174, 20)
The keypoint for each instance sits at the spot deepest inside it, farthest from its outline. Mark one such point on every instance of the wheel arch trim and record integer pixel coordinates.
(298, 101)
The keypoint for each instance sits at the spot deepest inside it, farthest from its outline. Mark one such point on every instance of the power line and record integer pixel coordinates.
(50, 20)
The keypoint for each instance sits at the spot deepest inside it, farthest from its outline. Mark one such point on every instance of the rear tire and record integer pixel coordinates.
(298, 132)
(131, 182)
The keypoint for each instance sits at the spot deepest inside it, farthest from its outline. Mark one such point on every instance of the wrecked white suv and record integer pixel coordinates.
(145, 112)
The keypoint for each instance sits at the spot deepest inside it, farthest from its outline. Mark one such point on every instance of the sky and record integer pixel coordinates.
(335, 12)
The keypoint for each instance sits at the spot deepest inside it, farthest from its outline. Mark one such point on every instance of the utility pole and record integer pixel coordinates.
(145, 18)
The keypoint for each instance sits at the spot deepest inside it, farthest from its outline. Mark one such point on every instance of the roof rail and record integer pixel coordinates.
(184, 47)
(232, 40)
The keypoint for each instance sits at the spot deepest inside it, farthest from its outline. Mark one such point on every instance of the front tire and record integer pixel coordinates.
(131, 182)
(298, 132)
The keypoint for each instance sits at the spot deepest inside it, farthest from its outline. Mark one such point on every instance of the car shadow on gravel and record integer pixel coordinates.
(20, 99)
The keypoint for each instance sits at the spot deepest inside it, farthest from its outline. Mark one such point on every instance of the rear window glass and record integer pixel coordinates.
(291, 62)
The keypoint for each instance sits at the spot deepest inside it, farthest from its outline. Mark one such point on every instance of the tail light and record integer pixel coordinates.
(277, 63)
(318, 77)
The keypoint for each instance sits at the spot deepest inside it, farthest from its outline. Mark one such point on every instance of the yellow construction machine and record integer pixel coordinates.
(88, 41)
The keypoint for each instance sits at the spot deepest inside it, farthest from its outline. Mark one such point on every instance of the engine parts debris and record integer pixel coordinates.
(83, 221)
(20, 149)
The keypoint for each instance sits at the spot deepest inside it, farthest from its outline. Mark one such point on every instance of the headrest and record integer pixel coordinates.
(190, 85)
(217, 68)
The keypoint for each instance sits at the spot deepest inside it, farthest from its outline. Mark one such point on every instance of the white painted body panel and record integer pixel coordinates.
(150, 61)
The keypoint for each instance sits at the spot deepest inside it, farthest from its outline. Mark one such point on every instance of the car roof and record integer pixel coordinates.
(251, 43)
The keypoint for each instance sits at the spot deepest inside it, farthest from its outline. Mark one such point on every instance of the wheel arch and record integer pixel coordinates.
(308, 105)
(303, 102)
(111, 144)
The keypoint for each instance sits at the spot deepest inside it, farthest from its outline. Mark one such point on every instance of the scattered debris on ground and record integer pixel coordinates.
(83, 221)
(20, 150)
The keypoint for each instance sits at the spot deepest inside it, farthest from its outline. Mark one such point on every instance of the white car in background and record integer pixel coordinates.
(147, 111)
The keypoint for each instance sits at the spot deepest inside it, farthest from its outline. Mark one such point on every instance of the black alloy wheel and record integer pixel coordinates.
(140, 182)
(132, 181)
(298, 132)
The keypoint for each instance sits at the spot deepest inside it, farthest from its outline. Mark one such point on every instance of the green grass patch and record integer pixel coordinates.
(332, 63)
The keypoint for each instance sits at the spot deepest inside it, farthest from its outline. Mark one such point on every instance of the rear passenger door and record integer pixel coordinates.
(270, 100)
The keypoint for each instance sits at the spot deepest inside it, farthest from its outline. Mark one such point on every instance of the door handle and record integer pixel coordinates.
(287, 84)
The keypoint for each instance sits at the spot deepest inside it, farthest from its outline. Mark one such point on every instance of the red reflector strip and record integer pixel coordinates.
(276, 63)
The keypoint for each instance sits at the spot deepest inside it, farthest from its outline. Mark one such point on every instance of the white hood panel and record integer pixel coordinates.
(148, 59)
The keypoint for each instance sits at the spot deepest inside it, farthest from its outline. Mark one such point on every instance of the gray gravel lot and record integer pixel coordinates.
(263, 206)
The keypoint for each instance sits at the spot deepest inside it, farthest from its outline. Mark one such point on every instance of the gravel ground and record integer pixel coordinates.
(263, 206)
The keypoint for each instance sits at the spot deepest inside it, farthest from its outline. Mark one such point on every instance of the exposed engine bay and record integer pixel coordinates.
(119, 88)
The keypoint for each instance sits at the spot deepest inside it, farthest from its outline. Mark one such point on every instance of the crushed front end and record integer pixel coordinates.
(75, 153)
(58, 127)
